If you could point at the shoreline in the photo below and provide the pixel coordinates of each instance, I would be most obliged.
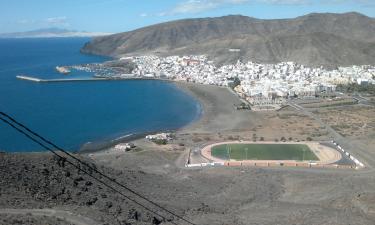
(106, 143)
(216, 114)
(98, 146)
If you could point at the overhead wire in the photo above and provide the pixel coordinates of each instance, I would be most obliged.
(88, 166)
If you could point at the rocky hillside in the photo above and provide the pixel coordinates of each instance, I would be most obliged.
(314, 39)
(41, 181)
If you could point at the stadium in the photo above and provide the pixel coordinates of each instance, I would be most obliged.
(246, 153)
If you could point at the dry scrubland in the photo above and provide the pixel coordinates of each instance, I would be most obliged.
(222, 122)
(286, 124)
(355, 121)
(322, 103)
(27, 219)
(292, 125)
(215, 196)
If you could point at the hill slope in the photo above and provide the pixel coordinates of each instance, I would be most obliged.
(314, 39)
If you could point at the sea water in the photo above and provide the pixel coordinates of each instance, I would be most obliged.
(74, 113)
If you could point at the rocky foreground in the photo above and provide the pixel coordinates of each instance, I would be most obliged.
(42, 181)
(212, 196)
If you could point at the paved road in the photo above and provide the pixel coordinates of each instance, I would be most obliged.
(61, 214)
(362, 100)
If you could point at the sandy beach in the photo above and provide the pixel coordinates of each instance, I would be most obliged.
(219, 114)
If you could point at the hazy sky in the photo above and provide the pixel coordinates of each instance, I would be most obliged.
(124, 15)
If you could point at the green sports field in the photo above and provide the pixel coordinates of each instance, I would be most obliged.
(298, 152)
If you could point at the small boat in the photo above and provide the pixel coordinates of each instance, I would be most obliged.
(62, 70)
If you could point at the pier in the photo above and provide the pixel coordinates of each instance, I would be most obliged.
(34, 79)
(39, 80)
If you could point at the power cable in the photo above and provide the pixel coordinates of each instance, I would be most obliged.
(84, 163)
(94, 169)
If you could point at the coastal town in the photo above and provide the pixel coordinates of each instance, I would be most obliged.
(260, 86)
(254, 82)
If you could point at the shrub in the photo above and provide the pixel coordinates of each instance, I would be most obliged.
(197, 139)
(160, 142)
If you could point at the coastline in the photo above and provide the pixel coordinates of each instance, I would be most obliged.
(93, 147)
(105, 143)
(98, 146)
(216, 114)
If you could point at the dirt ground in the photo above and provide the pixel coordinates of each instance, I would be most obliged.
(214, 196)
(351, 121)
(30, 219)
(221, 122)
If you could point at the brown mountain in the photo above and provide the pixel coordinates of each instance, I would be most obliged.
(315, 39)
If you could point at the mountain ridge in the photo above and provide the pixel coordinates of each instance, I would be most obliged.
(51, 32)
(326, 39)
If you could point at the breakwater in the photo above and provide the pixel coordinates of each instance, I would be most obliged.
(39, 80)
(34, 79)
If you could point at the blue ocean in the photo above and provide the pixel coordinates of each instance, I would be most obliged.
(72, 114)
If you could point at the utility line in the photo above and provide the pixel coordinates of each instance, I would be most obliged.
(84, 171)
(90, 167)
(94, 169)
